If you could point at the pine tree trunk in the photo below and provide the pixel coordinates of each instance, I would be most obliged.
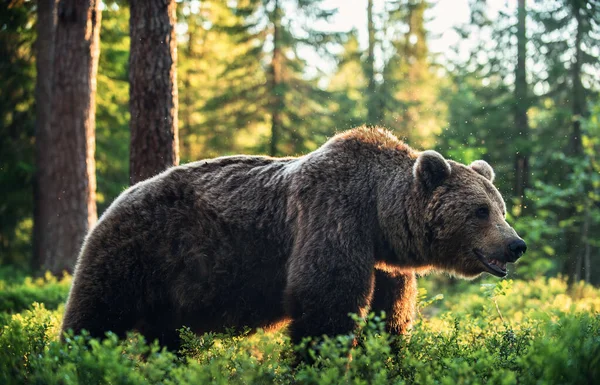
(574, 242)
(276, 82)
(372, 105)
(521, 107)
(585, 235)
(44, 48)
(188, 103)
(71, 169)
(153, 88)
(579, 103)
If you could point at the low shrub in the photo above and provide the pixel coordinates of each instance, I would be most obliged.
(509, 333)
(49, 290)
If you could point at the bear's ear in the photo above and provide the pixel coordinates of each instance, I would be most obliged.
(431, 169)
(482, 167)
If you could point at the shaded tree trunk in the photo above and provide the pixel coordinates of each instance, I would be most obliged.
(372, 103)
(521, 107)
(276, 75)
(579, 103)
(583, 261)
(576, 239)
(43, 205)
(153, 88)
(71, 168)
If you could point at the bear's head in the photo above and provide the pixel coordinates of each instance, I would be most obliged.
(464, 217)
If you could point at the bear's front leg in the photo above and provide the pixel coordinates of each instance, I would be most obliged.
(396, 294)
(322, 305)
(328, 279)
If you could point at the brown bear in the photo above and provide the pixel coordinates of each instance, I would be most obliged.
(251, 241)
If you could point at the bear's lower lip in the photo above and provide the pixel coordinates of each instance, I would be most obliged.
(493, 266)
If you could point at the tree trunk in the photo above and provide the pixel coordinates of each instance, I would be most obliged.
(585, 234)
(575, 149)
(277, 104)
(71, 169)
(579, 103)
(44, 48)
(153, 88)
(521, 107)
(372, 105)
(188, 102)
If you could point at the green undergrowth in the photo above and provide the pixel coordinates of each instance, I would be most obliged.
(20, 295)
(534, 332)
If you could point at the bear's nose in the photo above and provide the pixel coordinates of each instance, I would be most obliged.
(517, 248)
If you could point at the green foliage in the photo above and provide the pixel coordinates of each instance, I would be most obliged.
(228, 97)
(265, 101)
(559, 211)
(571, 349)
(17, 110)
(507, 333)
(112, 106)
(336, 360)
(17, 119)
(81, 360)
(566, 209)
(347, 86)
(24, 339)
(16, 297)
(410, 90)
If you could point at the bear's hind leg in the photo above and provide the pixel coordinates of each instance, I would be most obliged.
(87, 310)
(162, 325)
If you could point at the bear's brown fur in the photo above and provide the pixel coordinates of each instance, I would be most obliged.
(250, 241)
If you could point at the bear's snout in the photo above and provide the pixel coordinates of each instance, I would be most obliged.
(516, 249)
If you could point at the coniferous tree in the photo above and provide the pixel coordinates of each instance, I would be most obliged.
(44, 46)
(112, 107)
(205, 49)
(372, 101)
(521, 106)
(493, 114)
(411, 106)
(71, 166)
(17, 121)
(570, 31)
(265, 88)
(347, 86)
(152, 88)
(480, 97)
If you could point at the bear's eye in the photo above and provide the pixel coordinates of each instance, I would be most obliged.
(482, 213)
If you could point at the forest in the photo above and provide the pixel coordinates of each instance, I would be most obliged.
(98, 95)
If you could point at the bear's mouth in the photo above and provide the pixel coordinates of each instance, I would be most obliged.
(492, 265)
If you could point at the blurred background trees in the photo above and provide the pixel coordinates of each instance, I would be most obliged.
(518, 87)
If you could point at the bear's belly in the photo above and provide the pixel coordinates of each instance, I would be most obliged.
(237, 296)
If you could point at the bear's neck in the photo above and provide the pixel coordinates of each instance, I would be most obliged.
(402, 235)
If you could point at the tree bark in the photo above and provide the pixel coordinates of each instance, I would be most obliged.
(575, 149)
(44, 50)
(71, 140)
(277, 104)
(153, 99)
(372, 105)
(521, 107)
